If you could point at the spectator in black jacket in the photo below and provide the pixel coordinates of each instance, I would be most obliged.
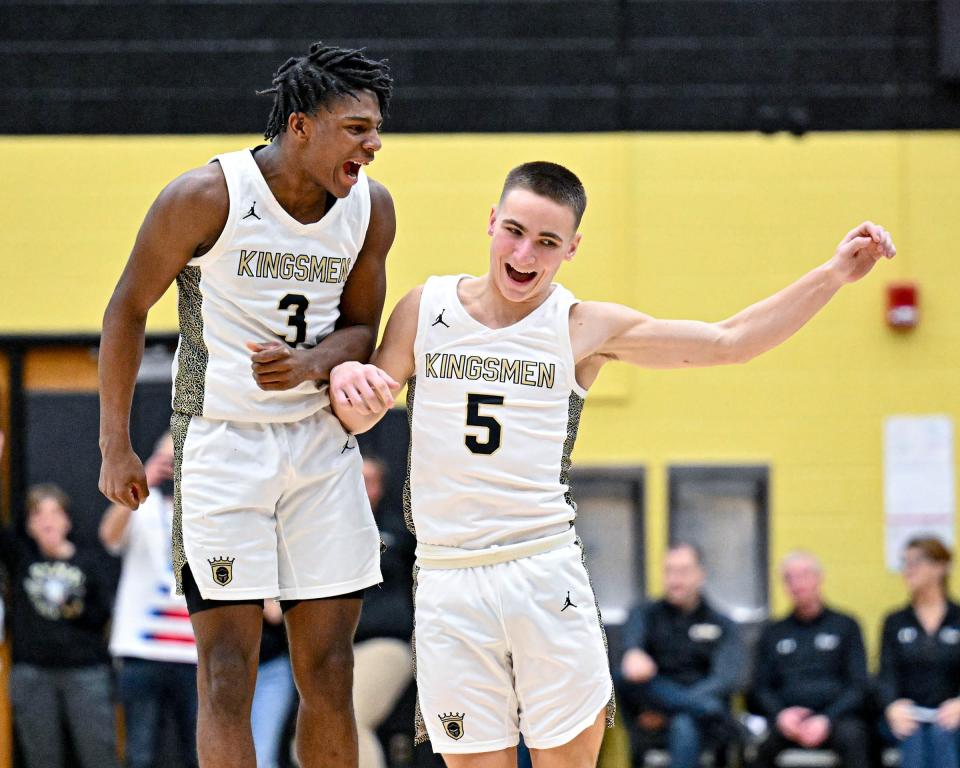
(919, 680)
(61, 605)
(683, 660)
(810, 674)
(383, 660)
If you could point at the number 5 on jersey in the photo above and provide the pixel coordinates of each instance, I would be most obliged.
(476, 419)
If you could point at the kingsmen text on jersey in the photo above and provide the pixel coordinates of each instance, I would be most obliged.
(267, 277)
(493, 418)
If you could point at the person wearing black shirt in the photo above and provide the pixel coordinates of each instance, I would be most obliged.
(383, 659)
(683, 660)
(61, 672)
(918, 684)
(810, 673)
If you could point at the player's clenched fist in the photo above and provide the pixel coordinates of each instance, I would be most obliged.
(122, 479)
(860, 249)
(364, 389)
(276, 366)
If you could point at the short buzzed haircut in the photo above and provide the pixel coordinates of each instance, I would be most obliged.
(552, 181)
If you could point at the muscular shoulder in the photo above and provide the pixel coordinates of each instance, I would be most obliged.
(408, 308)
(379, 195)
(382, 212)
(204, 188)
(199, 201)
(383, 221)
(593, 323)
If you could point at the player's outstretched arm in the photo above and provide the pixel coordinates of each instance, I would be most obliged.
(184, 221)
(362, 394)
(276, 366)
(603, 332)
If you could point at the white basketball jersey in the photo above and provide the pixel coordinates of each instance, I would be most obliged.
(493, 418)
(267, 277)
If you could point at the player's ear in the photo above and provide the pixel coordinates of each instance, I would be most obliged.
(297, 124)
(574, 244)
(492, 221)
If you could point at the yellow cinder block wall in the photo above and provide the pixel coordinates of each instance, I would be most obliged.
(691, 226)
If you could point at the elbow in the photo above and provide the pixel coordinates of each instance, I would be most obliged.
(121, 311)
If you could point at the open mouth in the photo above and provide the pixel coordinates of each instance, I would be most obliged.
(518, 276)
(352, 169)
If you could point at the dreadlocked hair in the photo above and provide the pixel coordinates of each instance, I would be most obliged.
(306, 83)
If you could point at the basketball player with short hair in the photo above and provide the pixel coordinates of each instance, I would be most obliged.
(279, 258)
(508, 636)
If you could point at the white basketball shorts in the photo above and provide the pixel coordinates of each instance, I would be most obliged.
(276, 510)
(511, 648)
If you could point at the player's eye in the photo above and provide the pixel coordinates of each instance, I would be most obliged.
(549, 243)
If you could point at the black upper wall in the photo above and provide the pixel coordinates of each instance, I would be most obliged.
(188, 66)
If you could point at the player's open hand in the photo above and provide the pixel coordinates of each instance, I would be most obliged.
(122, 479)
(365, 389)
(860, 249)
(276, 366)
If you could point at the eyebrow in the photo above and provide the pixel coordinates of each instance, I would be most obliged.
(520, 226)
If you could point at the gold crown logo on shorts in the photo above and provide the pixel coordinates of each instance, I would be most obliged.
(452, 724)
(222, 569)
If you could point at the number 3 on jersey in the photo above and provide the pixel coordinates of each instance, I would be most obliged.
(297, 318)
(475, 419)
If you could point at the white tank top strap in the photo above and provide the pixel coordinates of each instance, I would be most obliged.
(231, 165)
(565, 300)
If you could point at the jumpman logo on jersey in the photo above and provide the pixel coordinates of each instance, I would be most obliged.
(252, 211)
(440, 320)
(347, 446)
(567, 603)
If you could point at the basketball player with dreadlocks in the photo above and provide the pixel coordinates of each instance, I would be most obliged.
(279, 258)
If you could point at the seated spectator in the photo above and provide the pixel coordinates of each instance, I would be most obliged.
(810, 674)
(383, 660)
(151, 638)
(60, 680)
(683, 660)
(919, 679)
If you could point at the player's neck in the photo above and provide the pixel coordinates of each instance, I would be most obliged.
(297, 194)
(482, 299)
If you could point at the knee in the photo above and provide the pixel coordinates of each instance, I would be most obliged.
(226, 677)
(325, 674)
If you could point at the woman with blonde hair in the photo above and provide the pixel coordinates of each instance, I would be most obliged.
(919, 679)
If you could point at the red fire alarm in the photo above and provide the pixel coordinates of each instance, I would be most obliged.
(903, 305)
